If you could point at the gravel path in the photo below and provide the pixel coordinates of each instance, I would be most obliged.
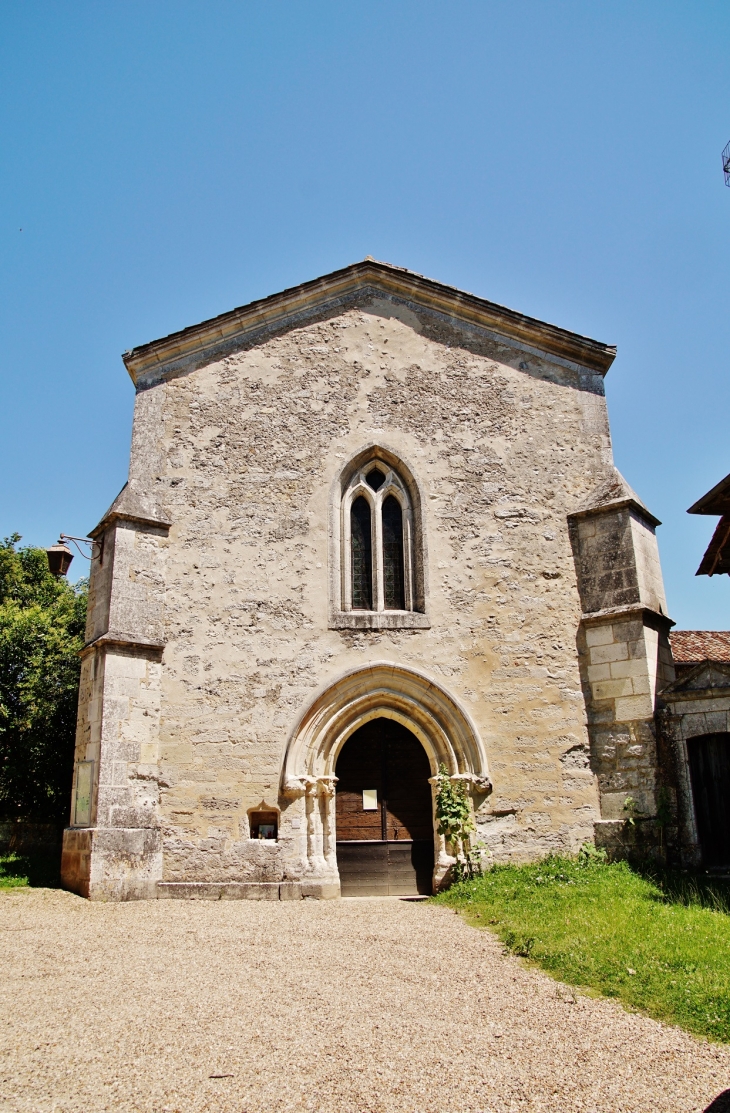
(357, 1005)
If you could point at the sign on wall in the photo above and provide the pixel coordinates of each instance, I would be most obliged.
(84, 787)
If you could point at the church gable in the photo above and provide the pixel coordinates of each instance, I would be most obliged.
(358, 286)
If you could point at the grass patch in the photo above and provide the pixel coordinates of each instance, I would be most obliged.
(34, 868)
(660, 943)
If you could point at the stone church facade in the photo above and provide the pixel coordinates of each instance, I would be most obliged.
(371, 511)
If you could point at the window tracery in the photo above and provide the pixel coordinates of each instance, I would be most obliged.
(377, 534)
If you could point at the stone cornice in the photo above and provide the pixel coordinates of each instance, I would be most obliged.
(133, 506)
(618, 504)
(135, 519)
(630, 610)
(395, 281)
(122, 640)
(672, 696)
(613, 493)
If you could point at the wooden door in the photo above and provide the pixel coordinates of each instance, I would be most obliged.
(709, 766)
(384, 813)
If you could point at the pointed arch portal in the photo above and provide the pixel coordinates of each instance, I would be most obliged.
(379, 690)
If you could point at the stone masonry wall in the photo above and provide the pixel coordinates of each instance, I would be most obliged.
(243, 455)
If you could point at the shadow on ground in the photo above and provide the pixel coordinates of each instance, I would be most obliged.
(685, 887)
(34, 868)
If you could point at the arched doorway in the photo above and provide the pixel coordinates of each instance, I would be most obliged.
(384, 812)
(379, 690)
(709, 767)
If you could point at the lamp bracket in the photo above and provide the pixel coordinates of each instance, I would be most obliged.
(79, 541)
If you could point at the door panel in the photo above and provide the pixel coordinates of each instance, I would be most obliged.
(397, 868)
(388, 851)
(709, 765)
(410, 806)
(359, 766)
(363, 869)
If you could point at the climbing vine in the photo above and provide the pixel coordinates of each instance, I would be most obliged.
(456, 824)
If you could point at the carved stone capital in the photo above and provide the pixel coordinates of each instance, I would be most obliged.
(308, 786)
(295, 787)
(475, 782)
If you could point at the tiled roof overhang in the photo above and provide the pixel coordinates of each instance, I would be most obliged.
(716, 560)
(716, 501)
(690, 647)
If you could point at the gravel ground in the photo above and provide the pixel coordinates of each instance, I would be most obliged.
(353, 1005)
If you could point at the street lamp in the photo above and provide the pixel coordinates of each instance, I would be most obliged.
(60, 556)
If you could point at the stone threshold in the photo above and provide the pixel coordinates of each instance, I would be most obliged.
(247, 890)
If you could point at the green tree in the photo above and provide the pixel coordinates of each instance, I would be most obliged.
(42, 620)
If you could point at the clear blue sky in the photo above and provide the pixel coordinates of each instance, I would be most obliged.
(168, 161)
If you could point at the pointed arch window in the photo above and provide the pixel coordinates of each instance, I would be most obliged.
(393, 565)
(362, 554)
(377, 530)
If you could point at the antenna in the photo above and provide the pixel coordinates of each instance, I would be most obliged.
(726, 164)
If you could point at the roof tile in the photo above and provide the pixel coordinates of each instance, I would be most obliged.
(692, 646)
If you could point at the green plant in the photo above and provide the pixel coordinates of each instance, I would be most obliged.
(630, 807)
(42, 619)
(589, 853)
(518, 944)
(456, 824)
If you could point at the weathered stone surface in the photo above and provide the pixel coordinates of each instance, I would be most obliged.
(241, 450)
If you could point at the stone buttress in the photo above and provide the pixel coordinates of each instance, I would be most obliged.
(624, 655)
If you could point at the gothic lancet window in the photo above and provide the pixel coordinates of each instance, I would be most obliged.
(362, 555)
(377, 535)
(393, 579)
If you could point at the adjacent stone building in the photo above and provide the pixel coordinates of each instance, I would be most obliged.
(694, 722)
(372, 527)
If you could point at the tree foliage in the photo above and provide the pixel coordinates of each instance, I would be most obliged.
(42, 620)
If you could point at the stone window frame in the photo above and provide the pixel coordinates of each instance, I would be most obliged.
(358, 487)
(400, 483)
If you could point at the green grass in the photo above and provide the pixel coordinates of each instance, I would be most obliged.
(659, 944)
(35, 868)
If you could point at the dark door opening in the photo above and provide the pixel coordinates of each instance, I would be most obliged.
(384, 813)
(709, 766)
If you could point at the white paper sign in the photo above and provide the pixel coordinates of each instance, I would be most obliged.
(370, 799)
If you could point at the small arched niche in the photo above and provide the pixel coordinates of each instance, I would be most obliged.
(377, 545)
(263, 822)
